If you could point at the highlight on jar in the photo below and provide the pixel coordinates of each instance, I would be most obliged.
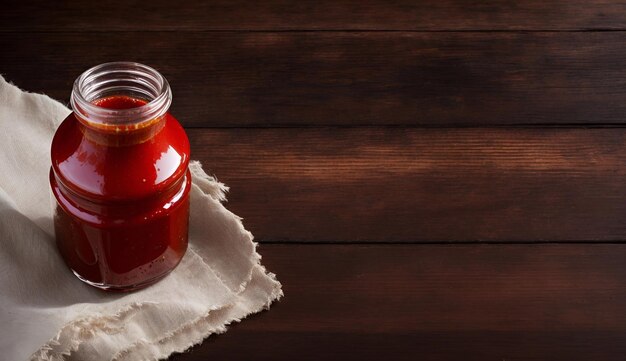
(120, 179)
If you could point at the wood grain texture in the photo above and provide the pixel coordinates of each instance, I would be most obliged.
(422, 185)
(407, 70)
(349, 78)
(436, 302)
(423, 15)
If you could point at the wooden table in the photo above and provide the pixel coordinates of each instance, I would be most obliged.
(430, 180)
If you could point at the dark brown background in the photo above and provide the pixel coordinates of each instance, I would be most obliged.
(432, 180)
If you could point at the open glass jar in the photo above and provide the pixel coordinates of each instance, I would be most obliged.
(120, 179)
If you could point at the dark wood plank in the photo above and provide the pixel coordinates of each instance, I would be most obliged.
(436, 302)
(426, 15)
(265, 79)
(421, 185)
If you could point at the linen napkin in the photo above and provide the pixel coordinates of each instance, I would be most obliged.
(46, 313)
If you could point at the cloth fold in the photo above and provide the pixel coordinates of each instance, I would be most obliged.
(46, 313)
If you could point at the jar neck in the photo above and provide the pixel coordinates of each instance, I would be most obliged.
(121, 103)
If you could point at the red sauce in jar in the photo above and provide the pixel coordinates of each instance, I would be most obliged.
(122, 196)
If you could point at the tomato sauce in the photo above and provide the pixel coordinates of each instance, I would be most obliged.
(122, 192)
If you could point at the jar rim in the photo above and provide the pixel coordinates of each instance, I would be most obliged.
(120, 78)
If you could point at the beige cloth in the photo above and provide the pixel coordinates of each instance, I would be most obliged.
(48, 314)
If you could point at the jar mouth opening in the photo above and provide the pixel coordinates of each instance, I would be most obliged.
(123, 78)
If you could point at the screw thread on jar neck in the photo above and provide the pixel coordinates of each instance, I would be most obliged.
(125, 126)
(128, 79)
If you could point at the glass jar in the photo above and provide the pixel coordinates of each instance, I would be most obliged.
(120, 179)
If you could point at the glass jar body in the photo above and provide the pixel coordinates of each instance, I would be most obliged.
(122, 212)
